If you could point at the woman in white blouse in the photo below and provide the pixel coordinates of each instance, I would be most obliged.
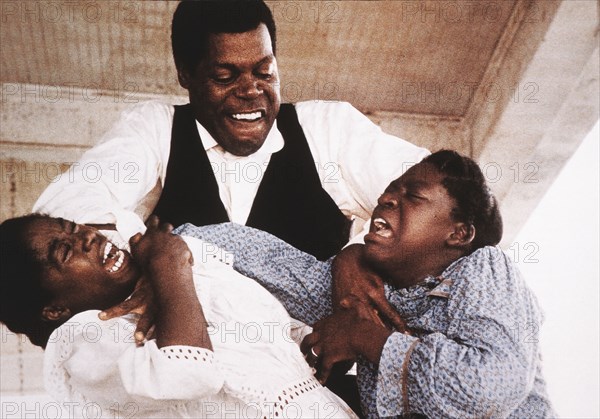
(222, 344)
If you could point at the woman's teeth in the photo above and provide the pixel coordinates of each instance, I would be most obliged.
(382, 228)
(111, 253)
(119, 262)
(107, 249)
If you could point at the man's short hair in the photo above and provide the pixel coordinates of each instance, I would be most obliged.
(194, 21)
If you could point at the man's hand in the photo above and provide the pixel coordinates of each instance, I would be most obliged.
(354, 282)
(343, 336)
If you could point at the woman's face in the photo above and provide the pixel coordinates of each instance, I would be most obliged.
(411, 223)
(81, 269)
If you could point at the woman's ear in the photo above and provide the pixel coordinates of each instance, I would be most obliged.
(56, 313)
(462, 236)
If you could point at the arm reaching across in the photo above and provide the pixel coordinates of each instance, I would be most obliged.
(167, 262)
(298, 280)
(118, 180)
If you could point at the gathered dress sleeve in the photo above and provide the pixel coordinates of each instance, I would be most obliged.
(92, 361)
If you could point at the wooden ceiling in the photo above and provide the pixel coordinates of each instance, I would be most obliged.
(418, 57)
(425, 70)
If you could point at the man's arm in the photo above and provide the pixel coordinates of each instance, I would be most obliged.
(110, 181)
(353, 282)
(355, 159)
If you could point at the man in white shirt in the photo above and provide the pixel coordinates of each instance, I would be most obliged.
(234, 153)
(309, 173)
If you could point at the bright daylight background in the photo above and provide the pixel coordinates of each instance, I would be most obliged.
(560, 241)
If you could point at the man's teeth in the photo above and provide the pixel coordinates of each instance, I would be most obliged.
(247, 116)
(382, 228)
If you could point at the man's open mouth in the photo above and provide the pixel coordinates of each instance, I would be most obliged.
(248, 116)
(381, 227)
(113, 258)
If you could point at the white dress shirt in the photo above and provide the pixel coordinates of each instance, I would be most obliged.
(239, 177)
(119, 180)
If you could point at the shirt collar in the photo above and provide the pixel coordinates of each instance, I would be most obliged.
(414, 301)
(442, 284)
(272, 144)
(430, 287)
(442, 289)
(445, 281)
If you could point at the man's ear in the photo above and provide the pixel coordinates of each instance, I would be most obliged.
(183, 76)
(56, 313)
(462, 236)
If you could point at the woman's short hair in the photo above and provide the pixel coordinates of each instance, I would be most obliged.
(21, 295)
(475, 203)
(194, 21)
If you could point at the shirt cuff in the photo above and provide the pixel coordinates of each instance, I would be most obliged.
(189, 353)
(128, 224)
(392, 377)
(175, 372)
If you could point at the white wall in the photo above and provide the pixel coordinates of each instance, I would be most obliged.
(560, 243)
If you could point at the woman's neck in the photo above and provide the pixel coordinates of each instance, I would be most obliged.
(413, 274)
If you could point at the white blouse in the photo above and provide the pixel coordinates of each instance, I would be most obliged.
(256, 369)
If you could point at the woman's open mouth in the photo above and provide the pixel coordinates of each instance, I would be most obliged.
(113, 257)
(381, 228)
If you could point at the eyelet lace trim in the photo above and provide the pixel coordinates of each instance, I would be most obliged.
(292, 392)
(188, 353)
(274, 403)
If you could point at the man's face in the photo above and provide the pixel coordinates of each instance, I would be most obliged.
(411, 222)
(81, 269)
(235, 90)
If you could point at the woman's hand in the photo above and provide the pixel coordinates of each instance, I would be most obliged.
(156, 252)
(343, 336)
(141, 302)
(159, 248)
(166, 260)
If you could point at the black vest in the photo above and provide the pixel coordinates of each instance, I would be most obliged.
(290, 202)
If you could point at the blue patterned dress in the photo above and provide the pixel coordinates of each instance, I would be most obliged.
(476, 350)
